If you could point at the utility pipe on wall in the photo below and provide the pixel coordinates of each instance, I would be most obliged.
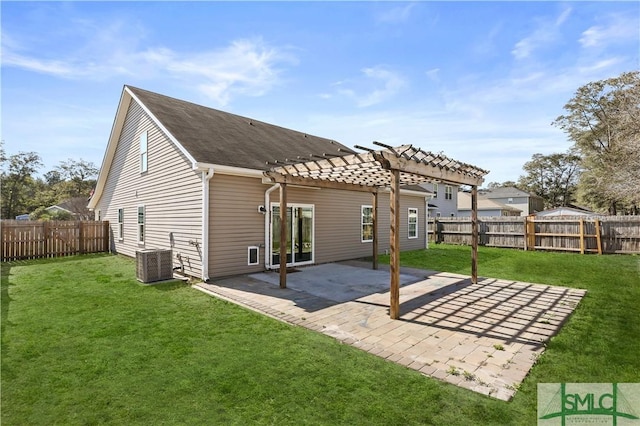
(207, 174)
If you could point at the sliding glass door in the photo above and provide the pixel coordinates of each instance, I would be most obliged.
(299, 230)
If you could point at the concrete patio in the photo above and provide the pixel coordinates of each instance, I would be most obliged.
(484, 337)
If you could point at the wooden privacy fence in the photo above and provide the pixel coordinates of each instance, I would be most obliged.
(22, 239)
(602, 234)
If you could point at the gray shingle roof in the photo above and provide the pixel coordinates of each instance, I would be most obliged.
(507, 191)
(218, 137)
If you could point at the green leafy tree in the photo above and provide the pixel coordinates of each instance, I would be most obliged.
(603, 121)
(77, 178)
(41, 213)
(554, 177)
(505, 184)
(18, 184)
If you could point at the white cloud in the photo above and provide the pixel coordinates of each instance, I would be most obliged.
(434, 74)
(618, 28)
(247, 67)
(379, 84)
(546, 33)
(396, 15)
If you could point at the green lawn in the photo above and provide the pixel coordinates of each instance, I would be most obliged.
(84, 343)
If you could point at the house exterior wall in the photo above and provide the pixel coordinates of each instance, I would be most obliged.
(521, 203)
(235, 222)
(444, 207)
(170, 191)
(528, 205)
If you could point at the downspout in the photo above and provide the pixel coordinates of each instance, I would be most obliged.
(207, 174)
(267, 231)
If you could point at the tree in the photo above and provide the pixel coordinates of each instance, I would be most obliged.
(18, 184)
(41, 213)
(505, 184)
(554, 177)
(603, 121)
(78, 175)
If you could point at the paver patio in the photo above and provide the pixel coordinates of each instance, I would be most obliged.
(484, 337)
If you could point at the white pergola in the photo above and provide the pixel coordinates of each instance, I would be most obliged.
(370, 171)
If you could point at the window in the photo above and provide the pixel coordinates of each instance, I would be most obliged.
(510, 200)
(120, 224)
(435, 190)
(413, 223)
(144, 161)
(448, 193)
(141, 224)
(367, 223)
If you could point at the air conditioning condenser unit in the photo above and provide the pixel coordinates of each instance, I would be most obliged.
(154, 265)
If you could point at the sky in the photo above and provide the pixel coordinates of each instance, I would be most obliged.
(480, 82)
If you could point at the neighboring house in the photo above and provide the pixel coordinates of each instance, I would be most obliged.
(445, 199)
(526, 202)
(76, 207)
(183, 176)
(565, 211)
(486, 207)
(22, 217)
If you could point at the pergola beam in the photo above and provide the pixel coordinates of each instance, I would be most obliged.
(394, 243)
(275, 177)
(375, 230)
(437, 172)
(474, 235)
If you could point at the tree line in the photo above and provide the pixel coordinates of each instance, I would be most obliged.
(601, 170)
(71, 182)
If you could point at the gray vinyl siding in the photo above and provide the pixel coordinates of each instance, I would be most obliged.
(235, 223)
(170, 191)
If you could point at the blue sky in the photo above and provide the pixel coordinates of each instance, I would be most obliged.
(479, 81)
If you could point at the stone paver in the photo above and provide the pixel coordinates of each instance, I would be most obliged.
(484, 337)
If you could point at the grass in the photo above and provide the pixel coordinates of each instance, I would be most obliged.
(84, 343)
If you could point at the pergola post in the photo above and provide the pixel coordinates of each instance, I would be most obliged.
(394, 231)
(375, 230)
(283, 235)
(474, 234)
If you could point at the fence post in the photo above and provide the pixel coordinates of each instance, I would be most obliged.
(45, 233)
(530, 233)
(81, 245)
(581, 236)
(105, 236)
(598, 238)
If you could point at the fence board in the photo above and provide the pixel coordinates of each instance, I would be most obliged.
(601, 234)
(23, 239)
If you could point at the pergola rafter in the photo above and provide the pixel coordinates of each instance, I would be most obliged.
(389, 167)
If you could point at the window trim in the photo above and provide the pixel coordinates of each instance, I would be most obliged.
(363, 223)
(412, 212)
(121, 224)
(141, 225)
(435, 190)
(448, 192)
(144, 152)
